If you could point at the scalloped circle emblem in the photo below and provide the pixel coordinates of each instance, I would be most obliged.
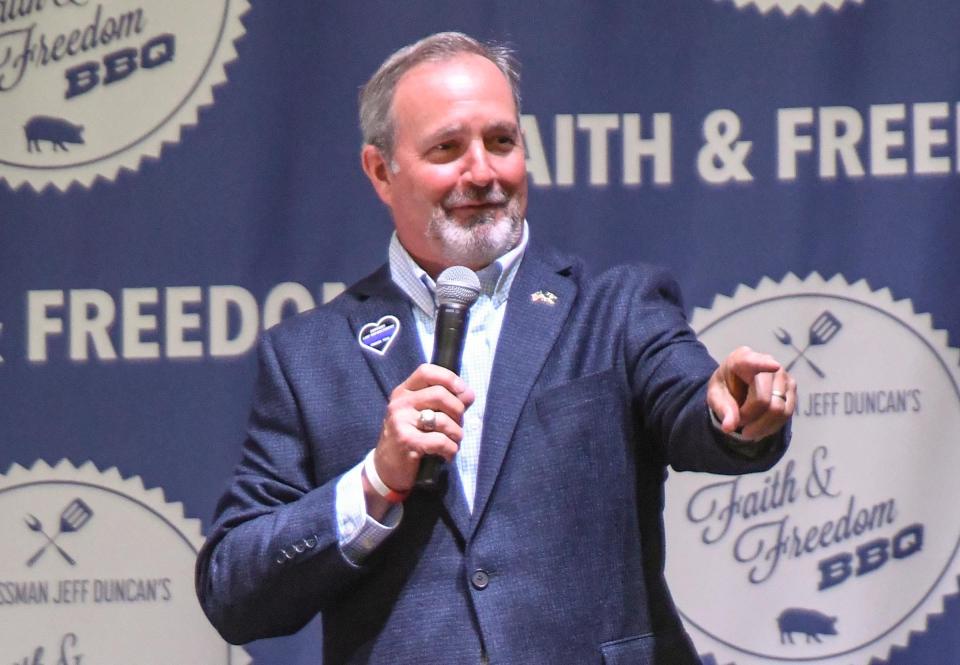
(788, 7)
(88, 88)
(96, 568)
(851, 541)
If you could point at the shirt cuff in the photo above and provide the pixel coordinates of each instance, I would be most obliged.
(718, 425)
(359, 534)
(736, 441)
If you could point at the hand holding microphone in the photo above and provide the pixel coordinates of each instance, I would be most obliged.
(457, 289)
(422, 424)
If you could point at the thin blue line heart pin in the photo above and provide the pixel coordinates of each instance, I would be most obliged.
(379, 335)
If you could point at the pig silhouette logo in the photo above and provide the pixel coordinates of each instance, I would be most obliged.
(57, 131)
(808, 622)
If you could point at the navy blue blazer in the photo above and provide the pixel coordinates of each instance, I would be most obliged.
(561, 561)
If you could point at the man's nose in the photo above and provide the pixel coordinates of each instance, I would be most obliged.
(478, 170)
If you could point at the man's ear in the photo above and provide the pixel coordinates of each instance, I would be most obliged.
(378, 171)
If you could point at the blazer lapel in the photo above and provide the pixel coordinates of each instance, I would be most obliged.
(378, 298)
(395, 355)
(540, 300)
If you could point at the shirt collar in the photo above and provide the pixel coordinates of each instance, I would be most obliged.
(495, 279)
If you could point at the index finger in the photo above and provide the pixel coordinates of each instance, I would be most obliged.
(746, 363)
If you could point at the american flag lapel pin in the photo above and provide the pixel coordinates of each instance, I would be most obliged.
(545, 297)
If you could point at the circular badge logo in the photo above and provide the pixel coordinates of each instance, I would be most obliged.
(788, 7)
(851, 542)
(96, 569)
(90, 87)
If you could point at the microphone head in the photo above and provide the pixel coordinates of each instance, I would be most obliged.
(458, 286)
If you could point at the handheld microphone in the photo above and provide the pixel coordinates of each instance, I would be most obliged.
(457, 289)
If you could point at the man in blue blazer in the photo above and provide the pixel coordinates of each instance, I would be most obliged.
(544, 541)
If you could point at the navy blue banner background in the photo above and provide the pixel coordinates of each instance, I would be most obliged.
(266, 189)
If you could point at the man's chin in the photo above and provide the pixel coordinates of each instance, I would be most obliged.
(478, 242)
(476, 236)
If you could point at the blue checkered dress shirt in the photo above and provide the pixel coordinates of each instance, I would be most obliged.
(359, 533)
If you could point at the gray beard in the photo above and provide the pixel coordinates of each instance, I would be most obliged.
(483, 238)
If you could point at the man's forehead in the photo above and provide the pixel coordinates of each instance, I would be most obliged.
(457, 73)
(436, 100)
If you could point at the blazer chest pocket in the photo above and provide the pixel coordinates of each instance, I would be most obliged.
(588, 409)
(637, 650)
(662, 648)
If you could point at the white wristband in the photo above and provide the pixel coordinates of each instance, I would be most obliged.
(370, 471)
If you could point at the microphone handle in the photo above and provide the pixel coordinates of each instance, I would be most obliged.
(448, 339)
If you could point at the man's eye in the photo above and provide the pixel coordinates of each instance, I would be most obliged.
(443, 152)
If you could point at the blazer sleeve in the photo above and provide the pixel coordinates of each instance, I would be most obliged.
(272, 559)
(669, 370)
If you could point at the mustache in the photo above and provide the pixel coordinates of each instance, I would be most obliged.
(492, 194)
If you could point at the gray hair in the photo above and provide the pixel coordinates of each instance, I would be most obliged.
(376, 96)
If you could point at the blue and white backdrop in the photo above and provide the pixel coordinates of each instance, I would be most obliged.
(176, 176)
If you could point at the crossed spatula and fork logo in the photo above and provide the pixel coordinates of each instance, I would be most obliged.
(72, 519)
(822, 330)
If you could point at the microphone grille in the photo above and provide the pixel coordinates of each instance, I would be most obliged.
(458, 285)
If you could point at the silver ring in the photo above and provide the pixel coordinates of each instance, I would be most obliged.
(427, 421)
(777, 393)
